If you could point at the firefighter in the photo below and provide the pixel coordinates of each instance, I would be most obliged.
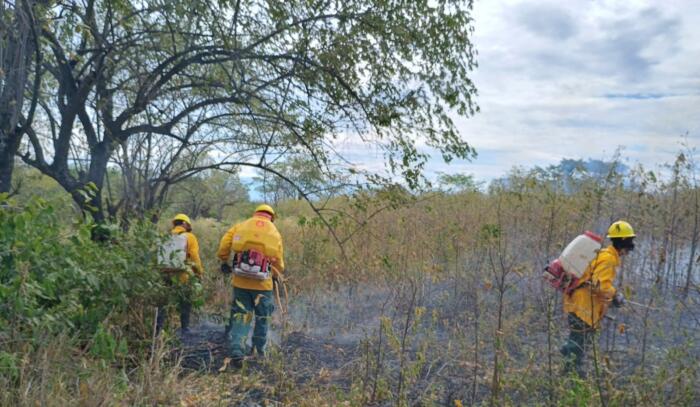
(183, 226)
(252, 251)
(587, 304)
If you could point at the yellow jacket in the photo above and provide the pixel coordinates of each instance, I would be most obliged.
(192, 253)
(257, 233)
(590, 301)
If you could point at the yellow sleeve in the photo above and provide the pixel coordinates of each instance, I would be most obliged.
(225, 245)
(602, 279)
(193, 253)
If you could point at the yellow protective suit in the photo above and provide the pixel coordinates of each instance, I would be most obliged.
(590, 301)
(192, 254)
(258, 233)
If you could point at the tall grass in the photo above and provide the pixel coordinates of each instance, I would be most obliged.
(434, 300)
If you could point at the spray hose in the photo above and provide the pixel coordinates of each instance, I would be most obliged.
(284, 308)
(643, 305)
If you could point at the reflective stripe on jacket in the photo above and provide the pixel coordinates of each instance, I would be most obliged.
(590, 301)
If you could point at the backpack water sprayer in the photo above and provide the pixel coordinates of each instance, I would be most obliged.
(252, 264)
(172, 254)
(565, 272)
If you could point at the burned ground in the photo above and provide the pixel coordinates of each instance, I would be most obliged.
(437, 341)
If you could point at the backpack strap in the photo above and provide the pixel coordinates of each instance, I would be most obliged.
(580, 284)
(586, 278)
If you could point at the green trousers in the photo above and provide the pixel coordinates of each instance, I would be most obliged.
(574, 350)
(247, 308)
(182, 294)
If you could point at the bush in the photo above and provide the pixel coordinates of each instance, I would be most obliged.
(55, 278)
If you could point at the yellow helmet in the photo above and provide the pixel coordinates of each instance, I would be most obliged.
(182, 217)
(265, 208)
(620, 229)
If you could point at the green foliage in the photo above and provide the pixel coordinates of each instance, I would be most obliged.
(303, 174)
(459, 182)
(192, 290)
(490, 232)
(467, 252)
(9, 366)
(55, 278)
(208, 194)
(278, 82)
(106, 346)
(31, 184)
(577, 392)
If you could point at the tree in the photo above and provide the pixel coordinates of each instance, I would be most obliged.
(149, 166)
(19, 55)
(302, 177)
(208, 194)
(253, 80)
(459, 182)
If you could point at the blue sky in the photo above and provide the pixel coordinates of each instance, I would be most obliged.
(577, 79)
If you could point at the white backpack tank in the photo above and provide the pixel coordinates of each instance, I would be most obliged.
(579, 254)
(173, 253)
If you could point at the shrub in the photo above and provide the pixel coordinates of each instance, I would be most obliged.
(55, 278)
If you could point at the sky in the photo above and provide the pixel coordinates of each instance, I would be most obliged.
(578, 79)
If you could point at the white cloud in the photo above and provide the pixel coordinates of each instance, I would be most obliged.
(574, 79)
(578, 78)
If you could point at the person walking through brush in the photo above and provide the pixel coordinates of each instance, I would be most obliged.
(587, 304)
(253, 252)
(178, 271)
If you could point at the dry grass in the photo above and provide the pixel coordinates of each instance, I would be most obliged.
(412, 311)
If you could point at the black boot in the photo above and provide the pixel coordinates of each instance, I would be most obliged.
(185, 309)
(160, 320)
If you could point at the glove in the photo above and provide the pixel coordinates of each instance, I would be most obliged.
(618, 300)
(226, 268)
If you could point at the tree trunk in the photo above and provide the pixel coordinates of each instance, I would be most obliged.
(15, 61)
(8, 148)
(86, 190)
(96, 175)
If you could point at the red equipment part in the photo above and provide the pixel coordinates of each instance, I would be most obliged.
(593, 236)
(252, 264)
(559, 279)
